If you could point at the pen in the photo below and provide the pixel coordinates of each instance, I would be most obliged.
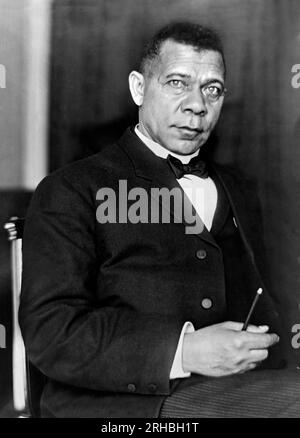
(258, 293)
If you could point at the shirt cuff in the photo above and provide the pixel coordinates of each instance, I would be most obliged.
(177, 371)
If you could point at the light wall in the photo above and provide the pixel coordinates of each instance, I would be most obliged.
(24, 54)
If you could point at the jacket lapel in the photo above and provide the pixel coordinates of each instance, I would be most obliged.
(236, 197)
(223, 206)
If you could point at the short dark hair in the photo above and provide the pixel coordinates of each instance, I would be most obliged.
(192, 34)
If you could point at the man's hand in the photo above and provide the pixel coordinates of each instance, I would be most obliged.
(223, 349)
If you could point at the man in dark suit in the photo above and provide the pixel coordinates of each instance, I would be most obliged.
(123, 313)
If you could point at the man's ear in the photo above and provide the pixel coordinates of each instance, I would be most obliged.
(137, 86)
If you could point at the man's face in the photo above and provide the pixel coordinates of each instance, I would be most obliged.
(182, 97)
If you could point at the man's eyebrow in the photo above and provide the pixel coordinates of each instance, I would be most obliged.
(187, 76)
(181, 75)
(213, 81)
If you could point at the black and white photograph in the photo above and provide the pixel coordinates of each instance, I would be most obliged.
(150, 211)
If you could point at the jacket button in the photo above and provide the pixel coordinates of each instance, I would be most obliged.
(131, 387)
(201, 254)
(152, 387)
(206, 303)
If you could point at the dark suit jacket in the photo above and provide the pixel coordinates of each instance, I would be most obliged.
(103, 305)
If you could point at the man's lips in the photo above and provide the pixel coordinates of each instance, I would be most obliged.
(189, 131)
(189, 128)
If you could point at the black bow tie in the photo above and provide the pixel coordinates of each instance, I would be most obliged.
(196, 167)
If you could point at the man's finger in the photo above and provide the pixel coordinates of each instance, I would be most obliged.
(260, 340)
(233, 325)
(258, 355)
(249, 367)
(237, 326)
(257, 329)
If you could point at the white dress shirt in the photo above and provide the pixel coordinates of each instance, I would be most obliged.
(205, 206)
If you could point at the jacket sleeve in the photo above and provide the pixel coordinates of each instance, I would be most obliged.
(67, 334)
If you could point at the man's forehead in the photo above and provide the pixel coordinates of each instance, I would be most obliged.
(175, 55)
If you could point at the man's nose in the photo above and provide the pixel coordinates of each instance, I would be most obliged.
(195, 102)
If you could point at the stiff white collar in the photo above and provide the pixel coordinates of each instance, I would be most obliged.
(160, 151)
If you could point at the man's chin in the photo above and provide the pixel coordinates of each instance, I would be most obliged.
(188, 147)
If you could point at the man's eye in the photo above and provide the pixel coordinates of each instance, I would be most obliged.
(176, 83)
(213, 91)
